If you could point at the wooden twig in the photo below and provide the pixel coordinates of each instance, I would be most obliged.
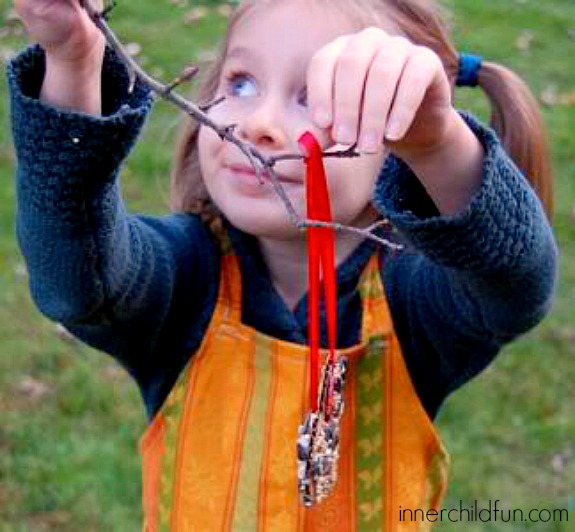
(210, 105)
(262, 164)
(186, 75)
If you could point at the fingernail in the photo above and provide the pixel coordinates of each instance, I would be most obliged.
(394, 130)
(344, 134)
(322, 118)
(368, 143)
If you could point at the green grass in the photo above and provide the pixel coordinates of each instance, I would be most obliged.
(70, 419)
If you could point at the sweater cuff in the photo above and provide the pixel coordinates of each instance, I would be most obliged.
(499, 227)
(72, 145)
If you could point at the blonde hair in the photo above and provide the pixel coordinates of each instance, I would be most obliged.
(515, 113)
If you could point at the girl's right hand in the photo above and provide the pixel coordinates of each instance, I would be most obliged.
(63, 30)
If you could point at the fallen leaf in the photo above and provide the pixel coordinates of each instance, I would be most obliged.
(525, 40)
(114, 372)
(225, 10)
(548, 96)
(33, 388)
(206, 55)
(551, 97)
(11, 18)
(560, 461)
(566, 98)
(54, 520)
(192, 16)
(133, 48)
(20, 270)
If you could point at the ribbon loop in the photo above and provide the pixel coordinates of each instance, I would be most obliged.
(321, 258)
(318, 440)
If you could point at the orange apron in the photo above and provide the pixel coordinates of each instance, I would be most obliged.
(221, 453)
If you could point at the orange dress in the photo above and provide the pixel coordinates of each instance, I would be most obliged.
(221, 453)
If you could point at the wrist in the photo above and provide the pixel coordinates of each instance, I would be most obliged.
(446, 135)
(81, 51)
(74, 84)
(451, 170)
(79, 62)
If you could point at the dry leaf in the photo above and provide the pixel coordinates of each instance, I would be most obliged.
(560, 461)
(11, 18)
(33, 388)
(192, 16)
(551, 97)
(567, 98)
(20, 269)
(114, 372)
(52, 520)
(525, 40)
(206, 55)
(225, 10)
(12, 25)
(133, 48)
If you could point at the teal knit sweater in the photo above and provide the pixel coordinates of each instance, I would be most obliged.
(143, 288)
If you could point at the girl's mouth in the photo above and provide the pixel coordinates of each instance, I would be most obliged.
(247, 173)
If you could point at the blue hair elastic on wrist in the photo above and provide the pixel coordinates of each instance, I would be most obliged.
(469, 67)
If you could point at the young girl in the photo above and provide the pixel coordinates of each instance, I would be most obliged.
(207, 307)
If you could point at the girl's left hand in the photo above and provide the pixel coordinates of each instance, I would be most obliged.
(371, 87)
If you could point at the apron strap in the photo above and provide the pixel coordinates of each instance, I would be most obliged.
(229, 302)
(376, 318)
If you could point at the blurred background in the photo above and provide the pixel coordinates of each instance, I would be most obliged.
(70, 418)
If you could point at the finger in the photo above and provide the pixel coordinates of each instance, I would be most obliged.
(416, 78)
(320, 82)
(380, 88)
(350, 77)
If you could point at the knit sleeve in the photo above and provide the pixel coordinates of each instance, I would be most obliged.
(470, 282)
(107, 275)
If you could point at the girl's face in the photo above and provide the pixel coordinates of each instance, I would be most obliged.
(263, 80)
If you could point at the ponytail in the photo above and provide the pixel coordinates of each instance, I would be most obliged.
(515, 112)
(516, 118)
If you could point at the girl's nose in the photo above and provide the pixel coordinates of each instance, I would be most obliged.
(264, 126)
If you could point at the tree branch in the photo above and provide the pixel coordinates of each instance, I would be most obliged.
(261, 163)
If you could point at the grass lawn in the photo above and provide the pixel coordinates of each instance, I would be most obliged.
(70, 419)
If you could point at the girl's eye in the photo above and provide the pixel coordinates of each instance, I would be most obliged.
(241, 85)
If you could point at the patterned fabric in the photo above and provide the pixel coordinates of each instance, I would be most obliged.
(221, 453)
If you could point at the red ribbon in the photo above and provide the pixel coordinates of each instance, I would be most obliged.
(321, 255)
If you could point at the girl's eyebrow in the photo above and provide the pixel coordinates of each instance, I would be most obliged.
(239, 52)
